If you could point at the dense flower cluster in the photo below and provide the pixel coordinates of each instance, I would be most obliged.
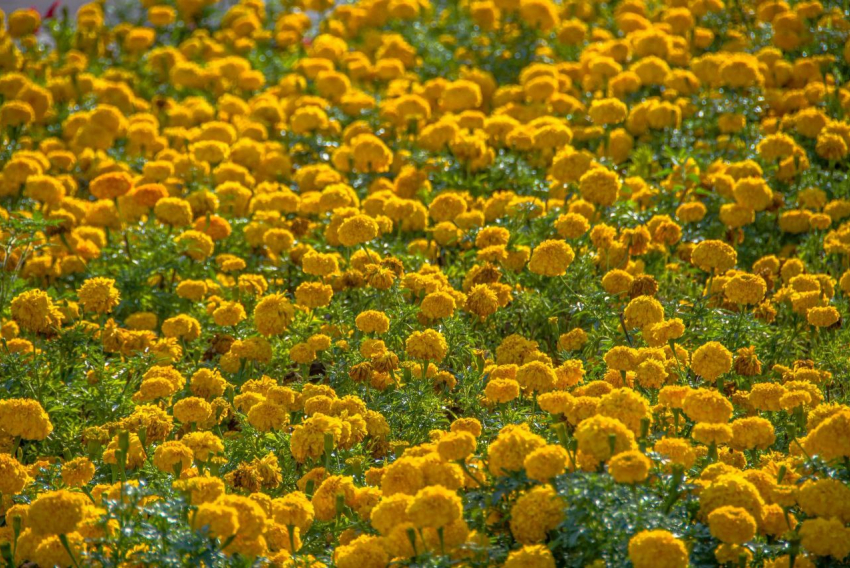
(522, 283)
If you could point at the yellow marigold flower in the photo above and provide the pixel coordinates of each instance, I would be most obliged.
(313, 294)
(273, 314)
(510, 448)
(752, 432)
(766, 396)
(704, 405)
(135, 456)
(617, 282)
(546, 462)
(138, 40)
(390, 512)
(732, 525)
(229, 314)
(51, 552)
(627, 406)
(195, 244)
(99, 295)
(429, 345)
(357, 230)
(370, 153)
(551, 258)
(266, 416)
(252, 517)
(607, 111)
(572, 225)
(651, 374)
(822, 316)
(657, 549)
(482, 300)
(600, 186)
(461, 95)
(677, 450)
(573, 340)
(539, 14)
(774, 521)
(24, 417)
(674, 396)
(691, 212)
(302, 354)
(556, 402)
(629, 467)
(745, 289)
(111, 185)
(318, 264)
(643, 311)
(142, 321)
(182, 327)
(714, 256)
(831, 146)
(293, 510)
(34, 311)
(77, 472)
(173, 211)
(535, 513)
(172, 454)
(202, 489)
(536, 556)
(536, 376)
(278, 240)
(753, 193)
(203, 445)
(13, 475)
(308, 438)
(594, 437)
(709, 433)
(308, 119)
(711, 360)
(829, 439)
(825, 537)
(456, 446)
(46, 189)
(325, 498)
(57, 512)
(372, 321)
(501, 390)
(365, 550)
(210, 151)
(434, 507)
(161, 16)
(438, 305)
(16, 113)
(192, 410)
(731, 490)
(621, 358)
(825, 498)
(220, 521)
(776, 146)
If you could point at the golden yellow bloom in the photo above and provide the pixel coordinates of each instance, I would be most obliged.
(711, 360)
(429, 345)
(434, 507)
(57, 512)
(657, 548)
(551, 258)
(24, 417)
(273, 314)
(13, 475)
(111, 185)
(34, 311)
(99, 295)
